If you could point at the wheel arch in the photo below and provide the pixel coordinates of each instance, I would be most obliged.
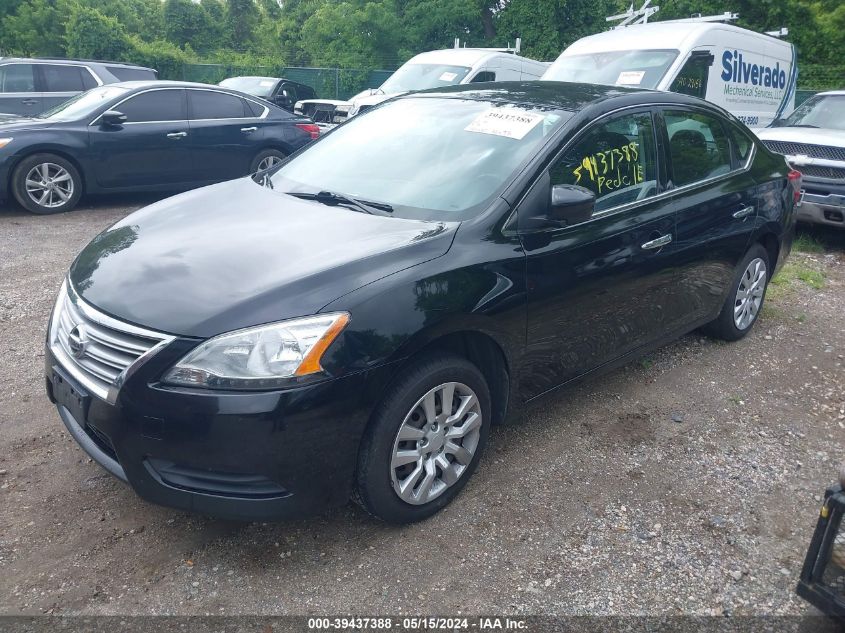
(61, 152)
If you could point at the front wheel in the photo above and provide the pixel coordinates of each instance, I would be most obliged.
(46, 183)
(425, 440)
(745, 299)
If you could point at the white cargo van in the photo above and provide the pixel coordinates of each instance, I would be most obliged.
(751, 75)
(436, 69)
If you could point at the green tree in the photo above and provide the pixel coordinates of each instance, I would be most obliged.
(37, 27)
(242, 18)
(92, 35)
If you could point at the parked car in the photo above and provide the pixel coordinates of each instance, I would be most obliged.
(30, 86)
(356, 326)
(813, 140)
(435, 69)
(283, 92)
(142, 136)
(752, 75)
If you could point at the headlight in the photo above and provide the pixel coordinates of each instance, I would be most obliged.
(263, 357)
(5, 141)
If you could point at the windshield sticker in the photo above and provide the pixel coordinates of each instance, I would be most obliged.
(448, 76)
(630, 78)
(507, 122)
(611, 169)
(266, 84)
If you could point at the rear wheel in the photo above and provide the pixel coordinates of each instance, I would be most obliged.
(745, 299)
(265, 160)
(46, 183)
(425, 440)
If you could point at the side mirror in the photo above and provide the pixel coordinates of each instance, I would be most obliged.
(571, 204)
(113, 117)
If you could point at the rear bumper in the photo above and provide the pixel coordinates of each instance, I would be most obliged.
(823, 202)
(243, 456)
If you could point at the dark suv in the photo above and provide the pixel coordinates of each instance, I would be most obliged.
(279, 91)
(31, 86)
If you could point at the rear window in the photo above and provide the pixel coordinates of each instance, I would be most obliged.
(131, 74)
(208, 104)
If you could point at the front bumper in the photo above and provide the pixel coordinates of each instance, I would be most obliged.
(246, 456)
(822, 202)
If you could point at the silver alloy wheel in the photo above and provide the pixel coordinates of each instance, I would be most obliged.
(436, 443)
(268, 161)
(749, 294)
(49, 185)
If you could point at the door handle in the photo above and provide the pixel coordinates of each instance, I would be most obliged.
(660, 242)
(744, 213)
(30, 102)
(177, 135)
(247, 130)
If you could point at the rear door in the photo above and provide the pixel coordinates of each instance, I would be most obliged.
(60, 82)
(151, 149)
(18, 93)
(225, 134)
(602, 288)
(715, 197)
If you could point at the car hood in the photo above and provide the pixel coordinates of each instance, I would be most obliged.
(811, 135)
(237, 254)
(371, 100)
(12, 123)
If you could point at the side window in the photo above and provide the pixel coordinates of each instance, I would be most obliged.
(692, 78)
(156, 105)
(208, 104)
(484, 75)
(88, 80)
(741, 144)
(254, 109)
(62, 78)
(17, 78)
(614, 159)
(698, 147)
(305, 92)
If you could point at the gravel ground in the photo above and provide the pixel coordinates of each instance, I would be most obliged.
(686, 483)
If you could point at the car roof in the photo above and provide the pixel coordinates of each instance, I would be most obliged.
(660, 36)
(572, 97)
(253, 77)
(165, 83)
(458, 56)
(835, 93)
(71, 61)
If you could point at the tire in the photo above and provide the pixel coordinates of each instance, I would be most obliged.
(728, 326)
(55, 184)
(379, 484)
(265, 159)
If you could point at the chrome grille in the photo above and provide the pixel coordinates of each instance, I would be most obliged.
(94, 347)
(806, 149)
(822, 171)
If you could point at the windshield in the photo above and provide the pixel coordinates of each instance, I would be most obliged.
(258, 86)
(423, 76)
(636, 69)
(83, 105)
(825, 111)
(429, 158)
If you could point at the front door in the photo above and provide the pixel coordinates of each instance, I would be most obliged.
(151, 149)
(600, 289)
(716, 204)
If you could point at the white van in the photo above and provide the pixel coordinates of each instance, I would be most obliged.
(436, 69)
(751, 75)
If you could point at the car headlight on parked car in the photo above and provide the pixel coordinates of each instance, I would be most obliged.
(263, 357)
(5, 141)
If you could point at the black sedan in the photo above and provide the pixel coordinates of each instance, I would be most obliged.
(401, 285)
(142, 136)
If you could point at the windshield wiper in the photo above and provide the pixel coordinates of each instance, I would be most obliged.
(331, 198)
(803, 125)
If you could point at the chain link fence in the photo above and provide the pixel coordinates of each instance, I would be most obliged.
(329, 83)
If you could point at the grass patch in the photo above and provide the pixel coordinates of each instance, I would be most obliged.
(805, 243)
(794, 271)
